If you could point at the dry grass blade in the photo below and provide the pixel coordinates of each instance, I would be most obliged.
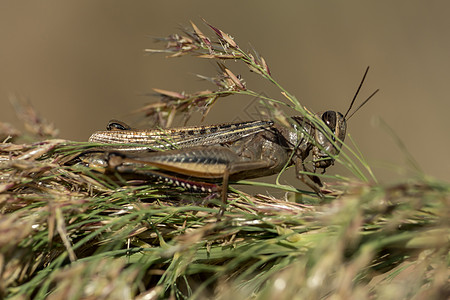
(65, 228)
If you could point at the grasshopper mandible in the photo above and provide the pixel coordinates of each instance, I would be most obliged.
(232, 151)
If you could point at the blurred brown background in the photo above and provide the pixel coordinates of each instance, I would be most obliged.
(82, 63)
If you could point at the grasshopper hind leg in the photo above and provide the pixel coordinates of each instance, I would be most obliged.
(224, 195)
(131, 167)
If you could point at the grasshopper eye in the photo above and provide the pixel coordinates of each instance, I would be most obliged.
(329, 117)
(117, 125)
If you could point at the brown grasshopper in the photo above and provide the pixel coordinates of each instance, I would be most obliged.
(197, 158)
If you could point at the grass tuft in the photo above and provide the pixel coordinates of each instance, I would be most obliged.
(71, 232)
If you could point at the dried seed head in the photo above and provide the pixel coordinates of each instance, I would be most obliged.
(259, 61)
(33, 121)
(170, 94)
(235, 80)
(229, 81)
(177, 45)
(223, 36)
(204, 39)
(264, 65)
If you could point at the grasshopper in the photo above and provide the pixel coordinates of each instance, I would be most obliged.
(197, 158)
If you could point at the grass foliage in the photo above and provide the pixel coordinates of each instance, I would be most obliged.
(70, 232)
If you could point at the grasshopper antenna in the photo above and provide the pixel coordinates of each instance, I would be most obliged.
(362, 104)
(356, 95)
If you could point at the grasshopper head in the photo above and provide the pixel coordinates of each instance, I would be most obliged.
(328, 146)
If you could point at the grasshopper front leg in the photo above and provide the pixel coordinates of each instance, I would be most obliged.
(299, 168)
